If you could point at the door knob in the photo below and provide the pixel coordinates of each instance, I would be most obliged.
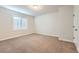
(76, 29)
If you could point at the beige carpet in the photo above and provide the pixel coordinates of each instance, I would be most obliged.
(36, 43)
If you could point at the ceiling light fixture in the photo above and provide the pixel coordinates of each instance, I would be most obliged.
(35, 6)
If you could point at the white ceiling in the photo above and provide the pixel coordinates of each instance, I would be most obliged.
(29, 10)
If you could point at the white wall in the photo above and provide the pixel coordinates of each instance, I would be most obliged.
(66, 23)
(47, 24)
(6, 24)
(56, 24)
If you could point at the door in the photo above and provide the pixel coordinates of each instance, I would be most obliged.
(76, 23)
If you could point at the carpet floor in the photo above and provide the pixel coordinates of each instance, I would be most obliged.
(36, 43)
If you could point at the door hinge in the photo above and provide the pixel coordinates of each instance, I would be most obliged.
(73, 26)
(73, 14)
(73, 37)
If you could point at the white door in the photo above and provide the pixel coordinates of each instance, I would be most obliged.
(76, 23)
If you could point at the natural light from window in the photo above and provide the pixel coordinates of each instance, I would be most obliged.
(19, 23)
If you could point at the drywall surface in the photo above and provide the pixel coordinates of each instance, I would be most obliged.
(66, 22)
(6, 24)
(56, 24)
(47, 24)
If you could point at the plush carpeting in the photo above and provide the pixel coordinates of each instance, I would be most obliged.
(36, 43)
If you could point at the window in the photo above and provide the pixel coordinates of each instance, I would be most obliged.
(19, 23)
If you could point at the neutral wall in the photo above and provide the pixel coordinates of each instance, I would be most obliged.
(47, 24)
(56, 24)
(6, 24)
(66, 23)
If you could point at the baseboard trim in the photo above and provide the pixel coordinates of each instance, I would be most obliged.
(62, 39)
(77, 48)
(76, 44)
(10, 37)
(47, 34)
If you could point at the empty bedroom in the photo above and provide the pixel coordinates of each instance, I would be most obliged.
(39, 29)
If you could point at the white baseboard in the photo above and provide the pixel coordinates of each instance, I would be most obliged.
(63, 39)
(48, 34)
(14, 36)
(77, 47)
(76, 42)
